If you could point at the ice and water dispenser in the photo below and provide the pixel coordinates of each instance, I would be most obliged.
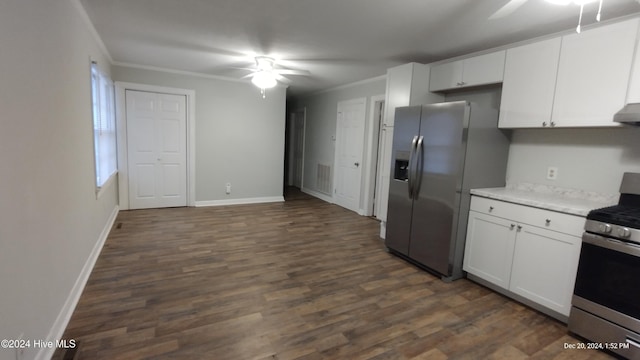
(401, 169)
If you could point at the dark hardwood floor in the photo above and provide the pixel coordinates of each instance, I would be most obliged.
(296, 280)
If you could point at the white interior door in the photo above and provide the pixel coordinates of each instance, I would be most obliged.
(157, 149)
(349, 149)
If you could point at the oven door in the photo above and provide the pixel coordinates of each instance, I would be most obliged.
(608, 280)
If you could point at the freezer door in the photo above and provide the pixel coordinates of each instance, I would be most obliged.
(441, 159)
(400, 206)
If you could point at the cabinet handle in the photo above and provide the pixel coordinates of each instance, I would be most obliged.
(512, 226)
(519, 227)
(548, 221)
(553, 124)
(544, 123)
(490, 208)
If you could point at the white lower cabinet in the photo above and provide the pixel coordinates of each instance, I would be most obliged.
(529, 252)
(489, 248)
(544, 267)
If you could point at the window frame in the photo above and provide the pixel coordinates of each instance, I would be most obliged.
(104, 129)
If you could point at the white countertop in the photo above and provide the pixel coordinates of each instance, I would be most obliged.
(568, 201)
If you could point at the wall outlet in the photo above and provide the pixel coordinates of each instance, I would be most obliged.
(228, 188)
(552, 173)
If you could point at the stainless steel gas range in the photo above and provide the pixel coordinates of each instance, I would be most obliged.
(606, 301)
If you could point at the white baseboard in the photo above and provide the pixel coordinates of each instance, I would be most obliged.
(317, 194)
(240, 201)
(59, 326)
(383, 229)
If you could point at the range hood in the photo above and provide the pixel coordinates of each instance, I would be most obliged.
(630, 114)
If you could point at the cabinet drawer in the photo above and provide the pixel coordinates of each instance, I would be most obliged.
(547, 219)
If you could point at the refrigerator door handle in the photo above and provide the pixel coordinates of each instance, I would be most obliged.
(419, 168)
(414, 143)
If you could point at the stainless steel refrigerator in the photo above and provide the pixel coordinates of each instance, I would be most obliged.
(440, 152)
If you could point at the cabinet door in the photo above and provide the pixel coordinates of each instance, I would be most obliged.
(544, 267)
(593, 75)
(446, 76)
(399, 80)
(407, 85)
(483, 69)
(489, 248)
(529, 84)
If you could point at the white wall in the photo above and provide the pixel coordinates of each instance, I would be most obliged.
(239, 135)
(587, 159)
(50, 219)
(322, 109)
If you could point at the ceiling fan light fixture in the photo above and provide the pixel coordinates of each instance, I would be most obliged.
(264, 63)
(264, 79)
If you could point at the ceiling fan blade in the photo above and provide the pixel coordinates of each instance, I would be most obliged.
(507, 9)
(283, 79)
(291, 72)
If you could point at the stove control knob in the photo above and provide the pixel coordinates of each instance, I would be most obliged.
(624, 232)
(605, 228)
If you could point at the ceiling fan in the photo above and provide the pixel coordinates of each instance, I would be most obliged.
(265, 75)
(513, 5)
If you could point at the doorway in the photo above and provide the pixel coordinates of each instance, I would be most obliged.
(375, 136)
(350, 131)
(155, 146)
(297, 121)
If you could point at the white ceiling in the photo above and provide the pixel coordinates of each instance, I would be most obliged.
(338, 41)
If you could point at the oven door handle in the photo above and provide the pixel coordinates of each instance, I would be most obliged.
(633, 342)
(613, 244)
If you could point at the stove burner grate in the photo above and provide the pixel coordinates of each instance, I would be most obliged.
(628, 216)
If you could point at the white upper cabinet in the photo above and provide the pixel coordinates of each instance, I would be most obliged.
(529, 84)
(446, 76)
(593, 75)
(483, 69)
(407, 85)
(478, 70)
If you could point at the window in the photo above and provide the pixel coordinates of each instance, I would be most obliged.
(104, 126)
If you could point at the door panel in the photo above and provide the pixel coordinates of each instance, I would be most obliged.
(349, 150)
(440, 158)
(146, 184)
(552, 284)
(489, 248)
(156, 137)
(400, 205)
